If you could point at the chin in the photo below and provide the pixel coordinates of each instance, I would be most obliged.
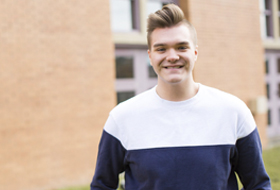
(174, 81)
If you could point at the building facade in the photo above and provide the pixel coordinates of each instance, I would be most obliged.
(270, 31)
(66, 64)
(57, 87)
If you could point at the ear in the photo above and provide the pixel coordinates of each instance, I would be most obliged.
(196, 52)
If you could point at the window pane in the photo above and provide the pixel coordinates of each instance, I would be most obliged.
(122, 96)
(153, 6)
(267, 4)
(278, 90)
(278, 65)
(133, 14)
(124, 67)
(121, 15)
(266, 67)
(152, 73)
(268, 25)
(269, 117)
(267, 91)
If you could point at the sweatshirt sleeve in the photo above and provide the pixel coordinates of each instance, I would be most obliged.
(110, 162)
(250, 167)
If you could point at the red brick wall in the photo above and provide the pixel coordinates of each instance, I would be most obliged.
(56, 89)
(230, 53)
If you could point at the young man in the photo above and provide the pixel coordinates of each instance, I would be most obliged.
(179, 135)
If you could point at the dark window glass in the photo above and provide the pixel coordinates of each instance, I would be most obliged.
(278, 90)
(122, 96)
(278, 65)
(278, 5)
(152, 73)
(266, 67)
(124, 67)
(267, 91)
(267, 4)
(268, 25)
(269, 117)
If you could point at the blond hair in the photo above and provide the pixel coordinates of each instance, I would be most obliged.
(169, 16)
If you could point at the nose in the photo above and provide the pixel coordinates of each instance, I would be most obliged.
(172, 56)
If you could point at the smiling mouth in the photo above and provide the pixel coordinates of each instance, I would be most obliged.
(173, 67)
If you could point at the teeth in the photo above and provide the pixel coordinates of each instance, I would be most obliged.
(177, 67)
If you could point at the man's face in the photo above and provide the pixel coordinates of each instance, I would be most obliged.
(172, 54)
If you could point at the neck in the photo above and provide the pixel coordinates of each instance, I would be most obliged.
(177, 92)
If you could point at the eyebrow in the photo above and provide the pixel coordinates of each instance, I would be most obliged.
(158, 45)
(183, 43)
(180, 43)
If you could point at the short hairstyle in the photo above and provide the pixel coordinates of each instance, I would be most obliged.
(169, 16)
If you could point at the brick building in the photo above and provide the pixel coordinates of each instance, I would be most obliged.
(57, 87)
(270, 31)
(62, 71)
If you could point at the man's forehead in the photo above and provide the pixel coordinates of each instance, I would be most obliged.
(175, 35)
(171, 35)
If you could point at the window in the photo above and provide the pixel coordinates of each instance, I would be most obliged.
(278, 65)
(133, 73)
(124, 67)
(154, 5)
(266, 18)
(122, 96)
(124, 15)
(272, 80)
(151, 71)
(267, 91)
(278, 90)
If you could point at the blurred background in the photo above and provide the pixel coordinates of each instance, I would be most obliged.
(65, 64)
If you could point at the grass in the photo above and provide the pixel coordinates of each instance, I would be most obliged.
(272, 164)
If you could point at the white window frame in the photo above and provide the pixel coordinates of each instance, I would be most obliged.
(141, 80)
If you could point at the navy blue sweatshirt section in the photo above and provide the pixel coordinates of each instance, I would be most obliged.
(253, 176)
(110, 163)
(180, 168)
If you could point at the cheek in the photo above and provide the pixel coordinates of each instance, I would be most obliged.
(154, 61)
(158, 60)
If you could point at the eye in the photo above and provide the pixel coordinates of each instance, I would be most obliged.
(160, 49)
(182, 47)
